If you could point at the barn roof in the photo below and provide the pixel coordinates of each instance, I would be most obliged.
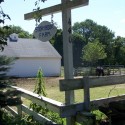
(29, 48)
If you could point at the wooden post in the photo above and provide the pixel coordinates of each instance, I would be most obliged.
(67, 49)
(68, 56)
(65, 7)
(19, 107)
(86, 94)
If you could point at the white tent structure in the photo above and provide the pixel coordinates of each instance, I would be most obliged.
(32, 55)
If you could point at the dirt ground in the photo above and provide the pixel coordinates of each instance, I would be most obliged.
(29, 83)
(51, 86)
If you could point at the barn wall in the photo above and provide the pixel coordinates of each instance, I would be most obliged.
(28, 67)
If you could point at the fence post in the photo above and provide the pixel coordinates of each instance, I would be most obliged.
(86, 94)
(120, 70)
(19, 107)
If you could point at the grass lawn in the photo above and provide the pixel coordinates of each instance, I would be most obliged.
(101, 92)
(53, 92)
(52, 89)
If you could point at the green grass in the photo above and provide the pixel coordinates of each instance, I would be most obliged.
(95, 93)
(53, 92)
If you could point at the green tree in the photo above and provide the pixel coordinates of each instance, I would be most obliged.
(57, 42)
(86, 29)
(41, 90)
(3, 37)
(18, 30)
(6, 97)
(5, 63)
(93, 52)
(78, 43)
(90, 31)
(118, 50)
(7, 94)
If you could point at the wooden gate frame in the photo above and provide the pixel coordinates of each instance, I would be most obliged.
(78, 110)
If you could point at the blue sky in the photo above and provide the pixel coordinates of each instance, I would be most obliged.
(110, 13)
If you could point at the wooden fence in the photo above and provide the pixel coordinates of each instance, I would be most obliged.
(108, 70)
(79, 110)
(114, 69)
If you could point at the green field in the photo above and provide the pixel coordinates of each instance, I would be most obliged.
(95, 93)
(53, 92)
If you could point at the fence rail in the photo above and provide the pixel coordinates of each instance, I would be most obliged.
(76, 109)
(52, 105)
(108, 70)
(93, 81)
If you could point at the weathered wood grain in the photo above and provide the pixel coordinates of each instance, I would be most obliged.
(56, 8)
(73, 84)
(40, 100)
(11, 110)
(37, 116)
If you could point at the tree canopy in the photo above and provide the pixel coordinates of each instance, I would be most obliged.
(3, 17)
(5, 64)
(18, 30)
(87, 32)
(93, 51)
(90, 31)
(84, 33)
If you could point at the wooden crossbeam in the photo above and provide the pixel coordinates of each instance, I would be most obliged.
(73, 109)
(41, 100)
(73, 84)
(57, 8)
(65, 7)
(38, 117)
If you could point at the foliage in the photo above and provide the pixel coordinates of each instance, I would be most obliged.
(118, 50)
(9, 97)
(90, 31)
(93, 52)
(7, 119)
(3, 40)
(40, 90)
(1, 1)
(86, 29)
(57, 42)
(3, 37)
(78, 43)
(40, 86)
(5, 31)
(37, 15)
(37, 2)
(7, 94)
(5, 63)
(18, 30)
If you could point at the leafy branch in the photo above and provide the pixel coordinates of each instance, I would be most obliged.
(41, 90)
(3, 37)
